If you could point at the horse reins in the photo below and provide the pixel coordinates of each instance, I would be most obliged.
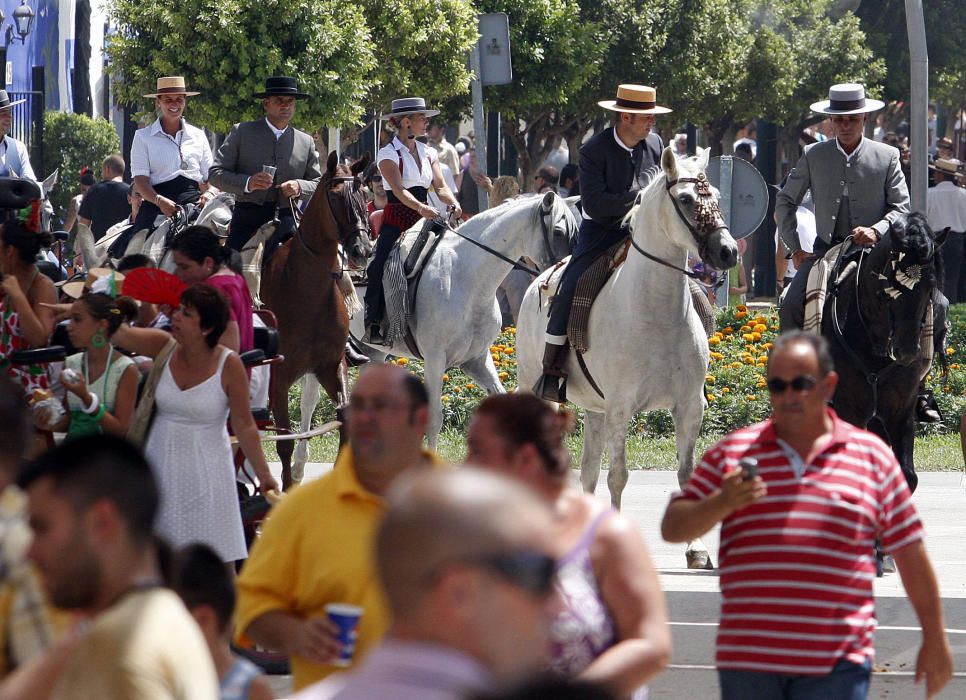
(516, 264)
(297, 215)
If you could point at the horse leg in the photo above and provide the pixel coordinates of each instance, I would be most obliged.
(435, 366)
(593, 450)
(615, 430)
(687, 425)
(310, 400)
(279, 404)
(484, 371)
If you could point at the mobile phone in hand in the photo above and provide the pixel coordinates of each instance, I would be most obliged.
(749, 467)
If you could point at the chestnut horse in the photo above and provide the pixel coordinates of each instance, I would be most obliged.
(300, 284)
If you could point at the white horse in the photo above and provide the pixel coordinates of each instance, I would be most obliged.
(648, 349)
(455, 316)
(216, 215)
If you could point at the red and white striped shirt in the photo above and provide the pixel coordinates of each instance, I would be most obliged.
(797, 566)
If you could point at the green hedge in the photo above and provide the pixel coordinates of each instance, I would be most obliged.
(72, 141)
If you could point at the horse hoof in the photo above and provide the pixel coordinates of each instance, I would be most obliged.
(699, 560)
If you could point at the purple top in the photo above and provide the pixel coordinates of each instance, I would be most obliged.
(584, 629)
(235, 289)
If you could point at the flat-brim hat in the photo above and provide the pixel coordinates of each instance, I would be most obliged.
(5, 102)
(635, 99)
(282, 86)
(171, 85)
(409, 105)
(847, 98)
(950, 166)
(76, 288)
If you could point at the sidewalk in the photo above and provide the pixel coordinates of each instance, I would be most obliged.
(693, 598)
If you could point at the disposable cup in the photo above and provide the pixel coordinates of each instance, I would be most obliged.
(346, 618)
(270, 169)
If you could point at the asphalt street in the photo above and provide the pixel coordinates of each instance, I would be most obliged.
(694, 600)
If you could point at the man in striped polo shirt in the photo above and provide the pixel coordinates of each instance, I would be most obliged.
(797, 541)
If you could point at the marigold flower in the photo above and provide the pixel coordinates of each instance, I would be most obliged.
(756, 335)
(445, 377)
(725, 390)
(470, 386)
(749, 337)
(760, 327)
(741, 307)
(709, 378)
(950, 351)
(504, 376)
(751, 397)
(741, 314)
(714, 340)
(402, 361)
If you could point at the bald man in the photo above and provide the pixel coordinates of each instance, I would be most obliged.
(465, 558)
(316, 547)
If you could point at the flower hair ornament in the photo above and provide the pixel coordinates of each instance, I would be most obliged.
(29, 216)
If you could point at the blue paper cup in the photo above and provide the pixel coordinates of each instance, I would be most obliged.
(346, 618)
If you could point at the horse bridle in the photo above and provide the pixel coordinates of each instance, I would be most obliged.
(298, 214)
(708, 219)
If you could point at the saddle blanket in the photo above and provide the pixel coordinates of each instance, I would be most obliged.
(395, 281)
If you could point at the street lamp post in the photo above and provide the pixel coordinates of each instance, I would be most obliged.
(23, 24)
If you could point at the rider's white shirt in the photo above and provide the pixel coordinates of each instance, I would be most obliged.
(158, 156)
(413, 174)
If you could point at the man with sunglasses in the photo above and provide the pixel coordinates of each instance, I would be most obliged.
(465, 559)
(316, 547)
(802, 499)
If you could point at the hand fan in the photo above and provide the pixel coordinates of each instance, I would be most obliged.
(153, 286)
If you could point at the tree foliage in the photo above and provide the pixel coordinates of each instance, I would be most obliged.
(72, 141)
(227, 48)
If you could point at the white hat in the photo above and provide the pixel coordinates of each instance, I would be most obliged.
(847, 98)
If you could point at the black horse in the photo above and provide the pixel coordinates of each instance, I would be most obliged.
(874, 317)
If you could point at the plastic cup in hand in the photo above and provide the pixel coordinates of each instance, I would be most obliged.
(346, 618)
(270, 169)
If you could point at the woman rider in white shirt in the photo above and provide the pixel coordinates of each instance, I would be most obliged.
(409, 167)
(170, 158)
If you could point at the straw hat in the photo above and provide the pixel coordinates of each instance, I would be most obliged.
(409, 105)
(951, 166)
(171, 85)
(635, 99)
(98, 280)
(847, 98)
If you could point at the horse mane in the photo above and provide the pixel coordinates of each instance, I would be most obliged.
(478, 222)
(646, 195)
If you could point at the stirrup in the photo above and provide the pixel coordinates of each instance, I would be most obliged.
(927, 410)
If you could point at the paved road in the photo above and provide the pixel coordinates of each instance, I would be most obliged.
(693, 598)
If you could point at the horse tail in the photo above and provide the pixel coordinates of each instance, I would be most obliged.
(352, 303)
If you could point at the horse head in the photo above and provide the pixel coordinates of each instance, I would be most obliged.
(348, 205)
(689, 214)
(558, 227)
(895, 287)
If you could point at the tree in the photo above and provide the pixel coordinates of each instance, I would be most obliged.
(555, 53)
(72, 141)
(227, 48)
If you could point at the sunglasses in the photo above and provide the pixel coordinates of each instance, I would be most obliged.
(534, 572)
(803, 383)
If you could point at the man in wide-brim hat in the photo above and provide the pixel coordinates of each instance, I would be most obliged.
(614, 165)
(857, 186)
(946, 209)
(14, 158)
(290, 154)
(169, 158)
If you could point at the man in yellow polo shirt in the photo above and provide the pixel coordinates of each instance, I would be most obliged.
(317, 547)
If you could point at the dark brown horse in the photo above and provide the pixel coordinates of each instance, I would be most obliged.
(300, 284)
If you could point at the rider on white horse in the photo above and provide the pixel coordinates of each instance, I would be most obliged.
(614, 165)
(410, 168)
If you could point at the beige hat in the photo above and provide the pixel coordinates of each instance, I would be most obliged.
(635, 99)
(946, 165)
(171, 85)
(75, 289)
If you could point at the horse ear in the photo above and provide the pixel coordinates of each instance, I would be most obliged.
(547, 203)
(704, 155)
(669, 164)
(331, 163)
(361, 164)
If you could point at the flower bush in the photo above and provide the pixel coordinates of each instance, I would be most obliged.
(734, 384)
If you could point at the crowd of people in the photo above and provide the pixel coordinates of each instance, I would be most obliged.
(396, 574)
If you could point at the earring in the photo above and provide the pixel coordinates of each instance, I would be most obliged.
(99, 340)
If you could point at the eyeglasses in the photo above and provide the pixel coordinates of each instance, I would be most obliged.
(532, 571)
(802, 383)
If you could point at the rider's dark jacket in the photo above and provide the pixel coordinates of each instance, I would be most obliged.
(611, 175)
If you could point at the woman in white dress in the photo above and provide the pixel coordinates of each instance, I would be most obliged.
(188, 445)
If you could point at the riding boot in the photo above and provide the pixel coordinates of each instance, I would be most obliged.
(552, 385)
(927, 410)
(353, 357)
